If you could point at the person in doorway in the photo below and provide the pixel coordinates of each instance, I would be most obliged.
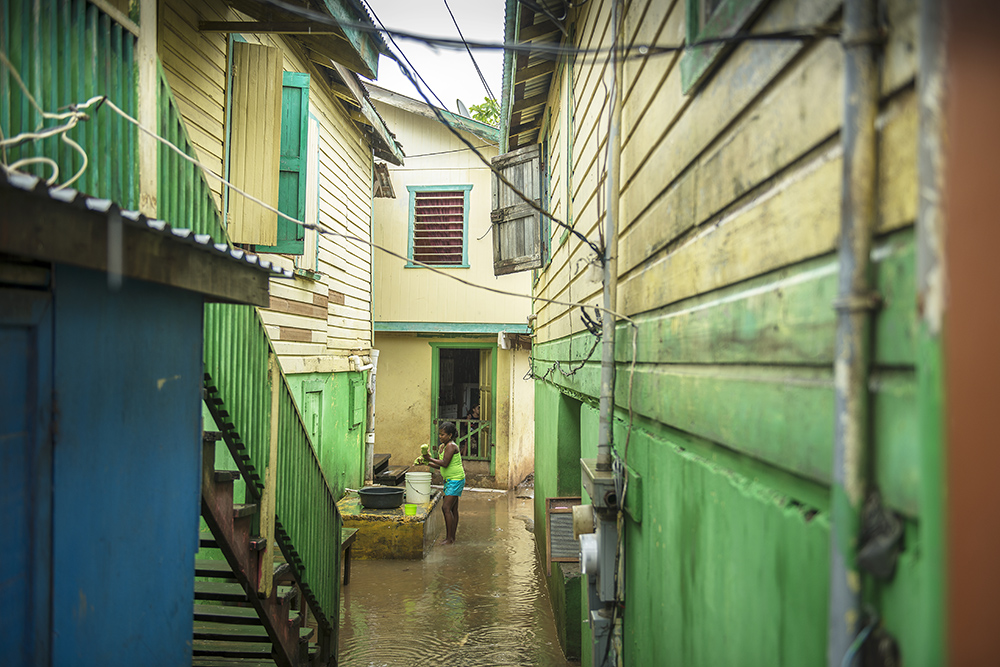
(450, 465)
(470, 428)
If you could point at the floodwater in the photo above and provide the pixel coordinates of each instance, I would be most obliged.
(480, 602)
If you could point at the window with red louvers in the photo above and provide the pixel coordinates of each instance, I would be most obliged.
(439, 227)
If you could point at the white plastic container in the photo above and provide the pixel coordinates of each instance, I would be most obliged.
(418, 487)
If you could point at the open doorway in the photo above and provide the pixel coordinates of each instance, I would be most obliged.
(463, 395)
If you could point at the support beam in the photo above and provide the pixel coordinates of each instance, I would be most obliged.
(535, 72)
(268, 27)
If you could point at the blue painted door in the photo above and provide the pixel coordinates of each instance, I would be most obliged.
(25, 475)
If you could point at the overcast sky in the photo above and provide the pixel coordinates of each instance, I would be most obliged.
(449, 72)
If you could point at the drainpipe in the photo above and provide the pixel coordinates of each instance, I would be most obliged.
(370, 430)
(606, 431)
(854, 305)
(370, 436)
(931, 303)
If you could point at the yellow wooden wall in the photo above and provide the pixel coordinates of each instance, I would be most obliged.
(418, 294)
(403, 403)
(726, 184)
(314, 324)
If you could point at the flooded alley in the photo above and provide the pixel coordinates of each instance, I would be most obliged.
(480, 602)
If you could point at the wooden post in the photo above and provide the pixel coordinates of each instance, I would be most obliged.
(266, 580)
(149, 90)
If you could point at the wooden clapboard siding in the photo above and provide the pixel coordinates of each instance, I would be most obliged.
(730, 201)
(195, 64)
(195, 67)
(417, 294)
(729, 224)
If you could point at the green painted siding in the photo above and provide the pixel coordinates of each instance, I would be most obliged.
(184, 197)
(326, 402)
(557, 423)
(729, 197)
(728, 549)
(735, 494)
(67, 52)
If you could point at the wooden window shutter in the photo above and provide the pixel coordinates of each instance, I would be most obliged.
(254, 142)
(517, 236)
(292, 183)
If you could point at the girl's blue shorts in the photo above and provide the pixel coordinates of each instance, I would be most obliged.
(453, 487)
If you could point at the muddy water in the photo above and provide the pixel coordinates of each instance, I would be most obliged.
(480, 602)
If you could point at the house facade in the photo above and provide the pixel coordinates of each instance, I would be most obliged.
(323, 135)
(445, 346)
(229, 90)
(762, 443)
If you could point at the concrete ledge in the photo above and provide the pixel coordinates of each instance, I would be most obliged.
(391, 534)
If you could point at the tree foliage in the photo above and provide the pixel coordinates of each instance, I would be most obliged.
(488, 112)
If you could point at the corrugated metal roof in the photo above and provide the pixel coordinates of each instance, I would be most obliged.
(203, 242)
(528, 73)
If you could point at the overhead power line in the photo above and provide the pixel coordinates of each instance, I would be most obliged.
(554, 50)
(471, 57)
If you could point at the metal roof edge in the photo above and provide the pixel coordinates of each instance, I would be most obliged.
(72, 202)
(511, 12)
(482, 130)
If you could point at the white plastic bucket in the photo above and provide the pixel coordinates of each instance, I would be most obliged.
(418, 487)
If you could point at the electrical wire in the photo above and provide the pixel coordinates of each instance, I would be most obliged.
(389, 34)
(555, 50)
(72, 118)
(323, 229)
(454, 150)
(412, 76)
(471, 57)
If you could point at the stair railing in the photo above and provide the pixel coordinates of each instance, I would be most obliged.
(307, 527)
(237, 351)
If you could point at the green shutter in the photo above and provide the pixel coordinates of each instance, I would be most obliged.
(292, 175)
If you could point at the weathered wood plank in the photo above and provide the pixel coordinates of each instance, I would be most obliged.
(778, 415)
(783, 317)
(796, 218)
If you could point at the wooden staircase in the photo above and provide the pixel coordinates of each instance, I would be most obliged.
(233, 623)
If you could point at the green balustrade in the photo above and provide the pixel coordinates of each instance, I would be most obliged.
(237, 351)
(67, 52)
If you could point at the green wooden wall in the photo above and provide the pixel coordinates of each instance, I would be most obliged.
(328, 403)
(732, 434)
(557, 421)
(67, 52)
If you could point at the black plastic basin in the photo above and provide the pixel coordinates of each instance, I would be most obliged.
(381, 497)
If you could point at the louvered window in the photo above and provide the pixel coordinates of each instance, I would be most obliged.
(438, 220)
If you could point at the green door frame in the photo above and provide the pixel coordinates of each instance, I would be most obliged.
(436, 390)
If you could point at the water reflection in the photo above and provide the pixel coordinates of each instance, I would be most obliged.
(480, 602)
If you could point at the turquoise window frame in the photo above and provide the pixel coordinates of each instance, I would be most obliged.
(729, 16)
(413, 190)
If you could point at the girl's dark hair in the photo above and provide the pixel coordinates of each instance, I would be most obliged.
(448, 428)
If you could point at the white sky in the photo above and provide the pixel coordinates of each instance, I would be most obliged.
(449, 72)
